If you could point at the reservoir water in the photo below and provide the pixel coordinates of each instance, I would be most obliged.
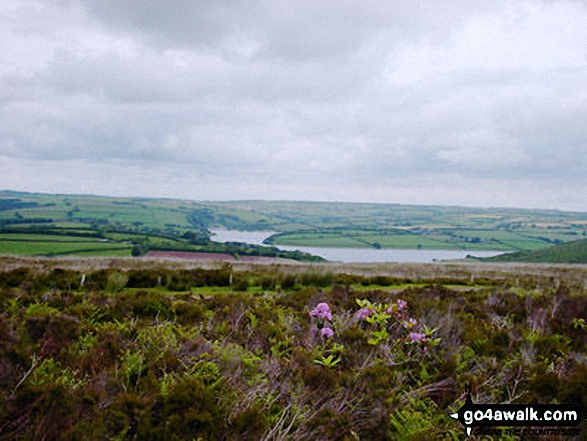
(250, 237)
(348, 255)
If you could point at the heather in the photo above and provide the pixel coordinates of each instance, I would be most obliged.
(273, 353)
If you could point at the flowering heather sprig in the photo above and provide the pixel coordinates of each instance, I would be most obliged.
(322, 310)
(418, 337)
(326, 332)
(397, 308)
(363, 313)
(408, 324)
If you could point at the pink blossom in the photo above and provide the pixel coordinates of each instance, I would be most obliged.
(322, 310)
(363, 313)
(410, 323)
(418, 337)
(401, 305)
(327, 332)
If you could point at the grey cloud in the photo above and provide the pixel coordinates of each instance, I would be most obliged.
(178, 23)
(152, 76)
(302, 27)
(295, 31)
(335, 98)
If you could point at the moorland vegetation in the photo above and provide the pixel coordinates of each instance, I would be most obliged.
(109, 351)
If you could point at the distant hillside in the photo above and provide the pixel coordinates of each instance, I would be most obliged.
(570, 252)
(116, 225)
(84, 225)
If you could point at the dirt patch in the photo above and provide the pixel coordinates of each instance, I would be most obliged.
(189, 255)
(211, 256)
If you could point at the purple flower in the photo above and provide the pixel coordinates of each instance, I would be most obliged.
(322, 310)
(410, 323)
(393, 309)
(327, 332)
(418, 337)
(363, 313)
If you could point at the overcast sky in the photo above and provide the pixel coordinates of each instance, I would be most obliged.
(458, 102)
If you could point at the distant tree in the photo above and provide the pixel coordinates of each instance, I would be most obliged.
(138, 250)
(196, 237)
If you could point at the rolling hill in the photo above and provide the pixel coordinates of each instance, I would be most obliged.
(51, 224)
(571, 252)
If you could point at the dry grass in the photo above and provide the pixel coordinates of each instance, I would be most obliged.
(463, 271)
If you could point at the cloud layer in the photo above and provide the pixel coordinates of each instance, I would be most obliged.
(463, 103)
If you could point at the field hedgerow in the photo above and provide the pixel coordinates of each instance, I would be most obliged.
(208, 354)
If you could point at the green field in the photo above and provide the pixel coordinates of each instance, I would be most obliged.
(48, 245)
(445, 239)
(105, 252)
(362, 239)
(185, 225)
(407, 226)
(571, 252)
(44, 238)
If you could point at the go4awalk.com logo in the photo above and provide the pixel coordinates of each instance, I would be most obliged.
(522, 415)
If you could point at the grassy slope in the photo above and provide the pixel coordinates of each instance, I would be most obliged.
(50, 244)
(41, 224)
(571, 252)
(54, 248)
(405, 226)
(300, 223)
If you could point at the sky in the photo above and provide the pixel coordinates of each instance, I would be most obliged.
(458, 102)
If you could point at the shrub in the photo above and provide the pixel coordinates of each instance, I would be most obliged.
(63, 279)
(40, 412)
(143, 303)
(287, 281)
(123, 418)
(189, 410)
(15, 277)
(52, 332)
(116, 281)
(143, 279)
(97, 280)
(241, 283)
(318, 279)
(249, 424)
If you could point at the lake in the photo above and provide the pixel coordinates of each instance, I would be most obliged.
(250, 237)
(348, 255)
